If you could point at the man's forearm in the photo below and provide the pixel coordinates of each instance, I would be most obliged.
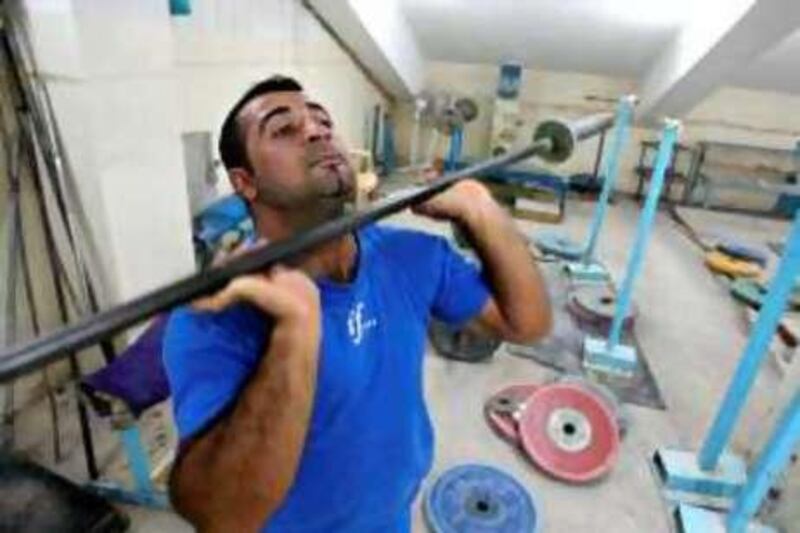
(235, 475)
(517, 284)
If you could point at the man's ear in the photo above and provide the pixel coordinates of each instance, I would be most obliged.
(243, 182)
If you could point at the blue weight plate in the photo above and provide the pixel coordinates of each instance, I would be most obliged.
(740, 251)
(553, 243)
(479, 499)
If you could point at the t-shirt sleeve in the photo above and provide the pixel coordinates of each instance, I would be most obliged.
(206, 365)
(462, 291)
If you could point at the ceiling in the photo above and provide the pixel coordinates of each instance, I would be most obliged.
(613, 37)
(776, 70)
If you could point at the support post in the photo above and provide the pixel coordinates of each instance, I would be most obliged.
(713, 473)
(456, 138)
(773, 459)
(609, 355)
(587, 269)
(756, 350)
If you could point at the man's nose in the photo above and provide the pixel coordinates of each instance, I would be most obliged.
(316, 131)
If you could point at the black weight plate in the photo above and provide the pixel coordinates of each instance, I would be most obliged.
(461, 344)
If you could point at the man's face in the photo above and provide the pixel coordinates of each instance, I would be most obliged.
(297, 162)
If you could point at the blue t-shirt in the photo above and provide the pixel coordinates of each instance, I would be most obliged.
(370, 440)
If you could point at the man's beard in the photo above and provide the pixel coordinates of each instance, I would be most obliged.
(307, 208)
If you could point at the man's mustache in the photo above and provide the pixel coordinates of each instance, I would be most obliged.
(323, 154)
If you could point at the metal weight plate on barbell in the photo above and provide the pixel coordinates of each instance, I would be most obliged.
(724, 264)
(569, 432)
(502, 409)
(467, 109)
(561, 246)
(461, 344)
(477, 498)
(596, 305)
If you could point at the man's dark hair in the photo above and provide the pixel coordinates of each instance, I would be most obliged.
(232, 147)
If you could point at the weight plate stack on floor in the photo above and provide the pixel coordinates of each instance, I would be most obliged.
(606, 394)
(595, 306)
(569, 432)
(503, 409)
(479, 498)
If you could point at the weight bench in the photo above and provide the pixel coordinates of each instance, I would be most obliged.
(521, 188)
(121, 392)
(518, 188)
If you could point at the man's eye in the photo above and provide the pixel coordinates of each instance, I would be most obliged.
(326, 123)
(283, 131)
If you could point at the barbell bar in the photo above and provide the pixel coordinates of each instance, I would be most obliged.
(554, 141)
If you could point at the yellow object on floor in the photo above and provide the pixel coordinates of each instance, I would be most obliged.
(722, 263)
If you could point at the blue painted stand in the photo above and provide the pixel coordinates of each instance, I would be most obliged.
(774, 458)
(144, 493)
(693, 519)
(580, 257)
(587, 268)
(454, 154)
(608, 355)
(708, 473)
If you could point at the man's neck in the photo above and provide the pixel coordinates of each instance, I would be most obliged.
(335, 259)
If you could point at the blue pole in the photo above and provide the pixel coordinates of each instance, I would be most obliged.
(773, 459)
(611, 157)
(459, 146)
(138, 462)
(755, 351)
(388, 145)
(668, 137)
(455, 148)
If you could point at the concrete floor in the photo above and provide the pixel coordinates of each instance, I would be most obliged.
(693, 333)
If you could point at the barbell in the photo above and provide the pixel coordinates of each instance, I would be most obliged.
(553, 141)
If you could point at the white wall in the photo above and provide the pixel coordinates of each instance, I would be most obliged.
(387, 26)
(729, 114)
(226, 46)
(744, 115)
(127, 80)
(543, 94)
(108, 68)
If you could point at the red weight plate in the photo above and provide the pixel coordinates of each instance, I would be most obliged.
(502, 421)
(569, 432)
(595, 306)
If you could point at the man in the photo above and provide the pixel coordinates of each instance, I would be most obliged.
(314, 419)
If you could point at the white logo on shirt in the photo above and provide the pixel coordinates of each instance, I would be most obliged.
(357, 325)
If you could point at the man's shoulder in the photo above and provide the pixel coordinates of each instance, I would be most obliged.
(189, 329)
(400, 239)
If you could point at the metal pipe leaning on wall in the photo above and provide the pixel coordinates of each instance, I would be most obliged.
(553, 141)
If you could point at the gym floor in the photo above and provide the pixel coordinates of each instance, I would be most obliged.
(692, 332)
